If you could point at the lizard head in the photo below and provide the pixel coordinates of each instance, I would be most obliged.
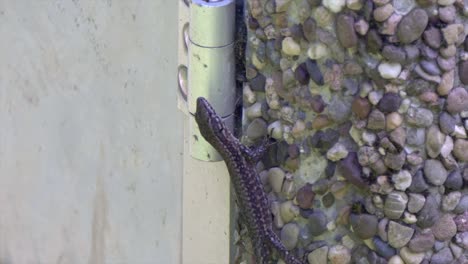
(209, 123)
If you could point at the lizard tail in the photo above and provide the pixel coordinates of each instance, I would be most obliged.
(285, 254)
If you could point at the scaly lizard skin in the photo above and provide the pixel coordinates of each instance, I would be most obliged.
(253, 203)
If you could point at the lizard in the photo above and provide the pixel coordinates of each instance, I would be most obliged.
(253, 202)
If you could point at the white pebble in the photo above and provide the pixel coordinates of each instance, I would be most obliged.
(389, 70)
(402, 180)
(317, 51)
(334, 5)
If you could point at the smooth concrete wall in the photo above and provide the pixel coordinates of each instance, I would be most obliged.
(90, 136)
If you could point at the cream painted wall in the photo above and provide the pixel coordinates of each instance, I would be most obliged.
(90, 138)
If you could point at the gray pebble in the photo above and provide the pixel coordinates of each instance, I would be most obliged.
(416, 202)
(444, 256)
(383, 249)
(450, 201)
(415, 136)
(410, 257)
(462, 205)
(454, 180)
(339, 109)
(457, 100)
(418, 183)
(395, 204)
(382, 229)
(447, 64)
(430, 67)
(422, 242)
(257, 129)
(463, 71)
(317, 223)
(462, 239)
(318, 256)
(435, 172)
(432, 37)
(412, 25)
(399, 235)
(459, 150)
(290, 235)
(394, 54)
(430, 213)
(434, 141)
(364, 225)
(419, 117)
(395, 161)
(447, 123)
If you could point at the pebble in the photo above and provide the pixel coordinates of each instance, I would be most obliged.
(328, 200)
(403, 7)
(390, 102)
(389, 27)
(351, 170)
(462, 206)
(446, 64)
(422, 242)
(459, 150)
(317, 223)
(452, 32)
(454, 180)
(334, 5)
(446, 82)
(394, 53)
(389, 70)
(444, 256)
(339, 254)
(288, 211)
(457, 100)
(430, 67)
(258, 83)
(290, 235)
(301, 74)
(256, 129)
(399, 235)
(463, 71)
(395, 161)
(361, 27)
(415, 136)
(305, 196)
(435, 172)
(450, 201)
(290, 47)
(419, 117)
(345, 31)
(447, 13)
(275, 178)
(339, 109)
(317, 51)
(449, 51)
(275, 130)
(416, 202)
(376, 120)
(396, 260)
(462, 222)
(398, 136)
(462, 239)
(410, 257)
(445, 228)
(361, 107)
(314, 72)
(430, 213)
(418, 184)
(447, 123)
(402, 180)
(364, 225)
(432, 37)
(434, 141)
(381, 13)
(337, 152)
(412, 26)
(395, 204)
(383, 249)
(309, 29)
(318, 256)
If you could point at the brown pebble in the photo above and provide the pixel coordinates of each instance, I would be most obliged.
(361, 107)
(305, 196)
